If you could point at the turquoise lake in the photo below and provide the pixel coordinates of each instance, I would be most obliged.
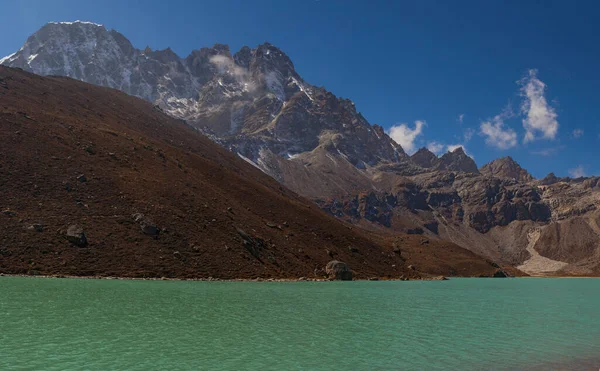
(461, 324)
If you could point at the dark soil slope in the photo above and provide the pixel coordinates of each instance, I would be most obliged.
(155, 198)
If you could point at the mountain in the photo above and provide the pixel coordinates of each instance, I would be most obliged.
(254, 103)
(508, 168)
(457, 160)
(425, 158)
(97, 182)
(251, 101)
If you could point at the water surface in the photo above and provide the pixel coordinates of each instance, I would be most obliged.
(467, 324)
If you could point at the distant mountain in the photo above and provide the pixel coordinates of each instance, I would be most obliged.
(425, 158)
(506, 167)
(457, 160)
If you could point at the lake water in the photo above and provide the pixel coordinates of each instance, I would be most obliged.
(466, 324)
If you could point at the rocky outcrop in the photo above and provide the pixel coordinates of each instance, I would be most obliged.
(507, 168)
(457, 160)
(551, 179)
(76, 235)
(481, 202)
(424, 158)
(338, 271)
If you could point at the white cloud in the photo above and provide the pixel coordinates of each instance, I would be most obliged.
(440, 148)
(460, 118)
(436, 147)
(497, 135)
(405, 136)
(577, 172)
(547, 151)
(468, 134)
(577, 133)
(540, 116)
(453, 147)
(226, 65)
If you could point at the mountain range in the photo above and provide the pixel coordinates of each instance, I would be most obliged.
(254, 103)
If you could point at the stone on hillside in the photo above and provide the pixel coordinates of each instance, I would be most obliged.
(36, 227)
(338, 270)
(149, 228)
(76, 235)
(8, 213)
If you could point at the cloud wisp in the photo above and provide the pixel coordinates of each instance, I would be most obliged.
(540, 118)
(546, 152)
(436, 147)
(405, 136)
(497, 134)
(439, 148)
(577, 172)
(226, 65)
(577, 133)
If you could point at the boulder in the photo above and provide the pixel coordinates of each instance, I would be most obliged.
(76, 236)
(8, 212)
(500, 274)
(146, 225)
(337, 270)
(149, 228)
(36, 227)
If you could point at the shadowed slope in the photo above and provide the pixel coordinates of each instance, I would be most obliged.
(73, 153)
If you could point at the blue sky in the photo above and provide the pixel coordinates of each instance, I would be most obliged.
(482, 74)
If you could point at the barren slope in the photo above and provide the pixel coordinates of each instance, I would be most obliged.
(216, 214)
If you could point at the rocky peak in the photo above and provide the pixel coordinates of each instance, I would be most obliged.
(457, 160)
(204, 63)
(268, 57)
(222, 49)
(550, 179)
(45, 49)
(508, 168)
(243, 57)
(165, 56)
(424, 158)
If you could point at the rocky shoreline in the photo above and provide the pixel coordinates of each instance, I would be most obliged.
(214, 279)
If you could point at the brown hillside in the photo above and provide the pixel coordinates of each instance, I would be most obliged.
(72, 153)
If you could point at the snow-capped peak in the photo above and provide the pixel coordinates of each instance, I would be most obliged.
(7, 59)
(78, 22)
